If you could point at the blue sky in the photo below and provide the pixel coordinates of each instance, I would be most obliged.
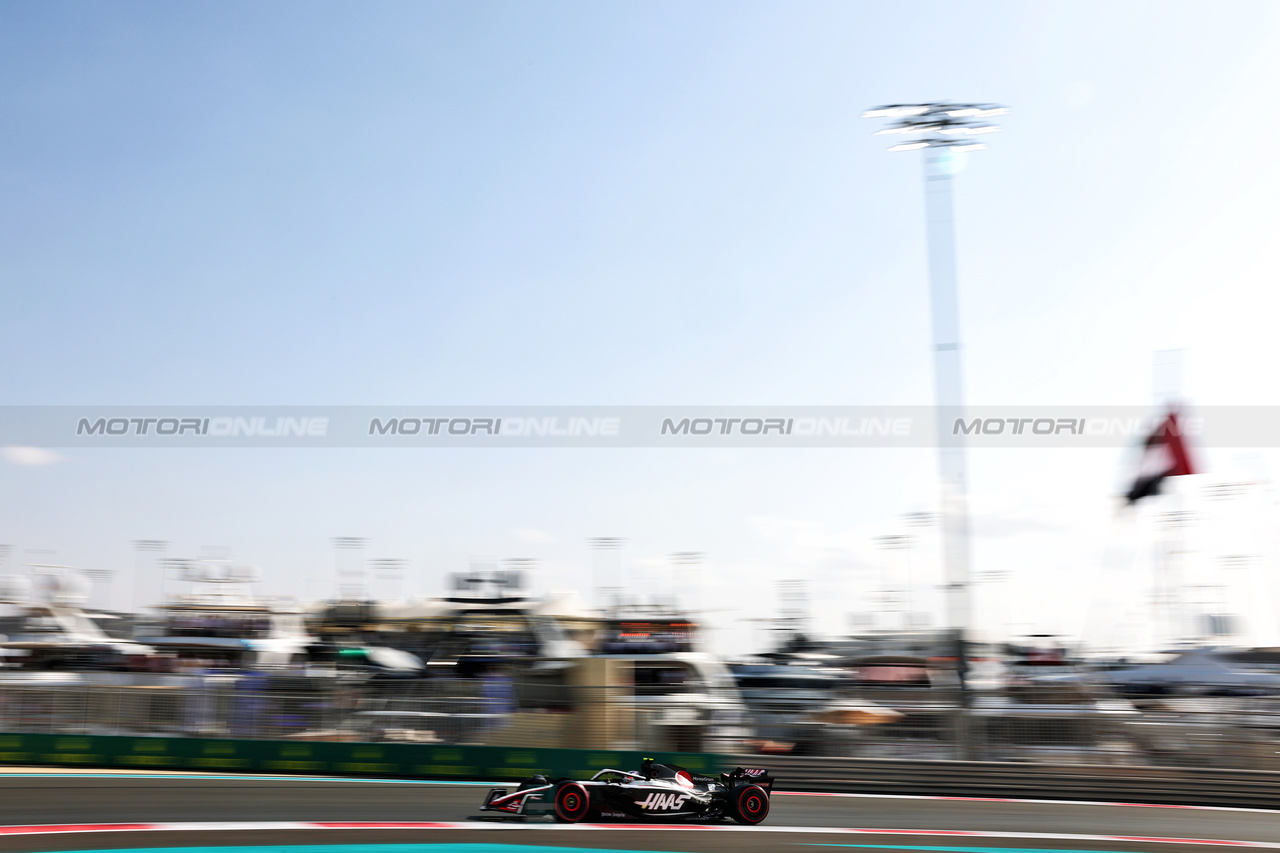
(623, 203)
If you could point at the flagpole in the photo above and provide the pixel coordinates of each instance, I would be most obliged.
(1166, 377)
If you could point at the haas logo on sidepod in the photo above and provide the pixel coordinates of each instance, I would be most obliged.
(663, 802)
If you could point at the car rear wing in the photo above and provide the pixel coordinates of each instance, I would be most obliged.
(748, 775)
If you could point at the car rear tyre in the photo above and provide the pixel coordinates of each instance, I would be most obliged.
(750, 804)
(572, 803)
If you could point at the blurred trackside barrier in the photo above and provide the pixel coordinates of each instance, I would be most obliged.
(1136, 784)
(1025, 780)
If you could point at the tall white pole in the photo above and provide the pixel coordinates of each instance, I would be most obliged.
(942, 129)
(948, 384)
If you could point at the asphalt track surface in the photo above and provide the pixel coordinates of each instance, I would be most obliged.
(797, 823)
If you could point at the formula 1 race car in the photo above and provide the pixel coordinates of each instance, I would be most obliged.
(658, 792)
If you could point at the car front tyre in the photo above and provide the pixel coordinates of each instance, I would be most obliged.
(572, 803)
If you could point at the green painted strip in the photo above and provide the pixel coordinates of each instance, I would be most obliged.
(315, 758)
(239, 777)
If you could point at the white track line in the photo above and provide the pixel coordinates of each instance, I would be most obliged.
(60, 829)
(936, 798)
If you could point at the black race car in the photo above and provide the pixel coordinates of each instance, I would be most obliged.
(659, 792)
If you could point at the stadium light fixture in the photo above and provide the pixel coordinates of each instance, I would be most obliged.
(936, 123)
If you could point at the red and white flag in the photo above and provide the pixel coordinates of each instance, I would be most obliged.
(1164, 454)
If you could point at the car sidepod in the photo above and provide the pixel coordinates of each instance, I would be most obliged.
(650, 801)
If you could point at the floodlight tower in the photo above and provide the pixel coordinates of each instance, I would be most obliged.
(606, 591)
(944, 130)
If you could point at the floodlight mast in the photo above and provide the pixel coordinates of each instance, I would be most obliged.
(941, 129)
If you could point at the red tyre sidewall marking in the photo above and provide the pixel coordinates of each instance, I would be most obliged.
(745, 798)
(574, 789)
